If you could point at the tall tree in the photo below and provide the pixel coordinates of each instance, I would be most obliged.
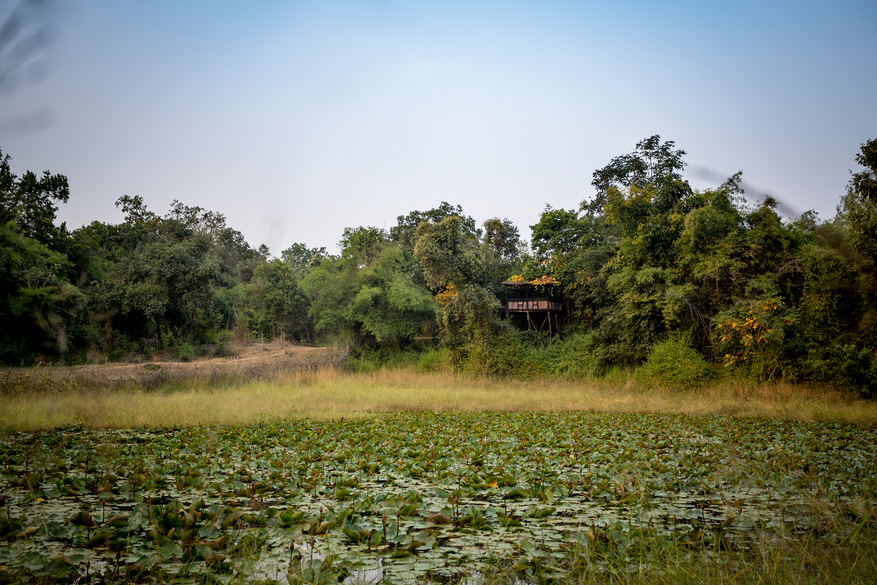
(502, 238)
(859, 206)
(406, 226)
(275, 304)
(364, 244)
(28, 202)
(651, 162)
(299, 256)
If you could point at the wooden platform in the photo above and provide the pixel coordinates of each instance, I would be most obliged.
(526, 305)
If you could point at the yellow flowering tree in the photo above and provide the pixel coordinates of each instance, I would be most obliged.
(752, 334)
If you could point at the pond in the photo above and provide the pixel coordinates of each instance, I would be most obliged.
(410, 496)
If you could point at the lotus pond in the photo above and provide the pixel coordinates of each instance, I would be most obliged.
(418, 496)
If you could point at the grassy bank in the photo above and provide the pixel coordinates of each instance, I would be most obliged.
(45, 400)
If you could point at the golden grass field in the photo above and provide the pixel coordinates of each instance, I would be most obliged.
(332, 393)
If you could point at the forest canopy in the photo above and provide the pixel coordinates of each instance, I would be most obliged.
(648, 273)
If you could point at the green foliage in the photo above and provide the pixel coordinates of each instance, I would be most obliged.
(434, 360)
(404, 231)
(651, 163)
(464, 315)
(468, 273)
(650, 220)
(41, 312)
(300, 257)
(388, 305)
(842, 365)
(648, 304)
(368, 359)
(501, 238)
(379, 301)
(709, 246)
(186, 351)
(448, 253)
(859, 205)
(363, 245)
(647, 260)
(560, 232)
(496, 352)
(753, 334)
(28, 203)
(166, 278)
(274, 304)
(674, 363)
(571, 357)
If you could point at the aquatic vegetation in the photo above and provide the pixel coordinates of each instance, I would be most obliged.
(407, 496)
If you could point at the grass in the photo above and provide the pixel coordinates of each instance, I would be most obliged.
(804, 560)
(150, 397)
(44, 401)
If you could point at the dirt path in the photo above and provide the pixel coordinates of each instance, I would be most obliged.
(244, 354)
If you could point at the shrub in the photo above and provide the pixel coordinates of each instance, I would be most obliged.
(186, 351)
(223, 339)
(613, 356)
(674, 362)
(845, 365)
(570, 357)
(434, 360)
(362, 365)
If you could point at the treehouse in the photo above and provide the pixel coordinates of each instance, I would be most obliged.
(531, 304)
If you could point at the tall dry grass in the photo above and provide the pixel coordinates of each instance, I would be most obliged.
(320, 390)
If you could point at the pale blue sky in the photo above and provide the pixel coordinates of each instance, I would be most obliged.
(297, 119)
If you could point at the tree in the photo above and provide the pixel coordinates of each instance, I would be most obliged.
(299, 256)
(135, 210)
(458, 268)
(859, 206)
(41, 312)
(275, 304)
(388, 305)
(560, 232)
(651, 162)
(28, 203)
(448, 253)
(500, 252)
(374, 303)
(502, 239)
(406, 226)
(710, 244)
(364, 244)
(166, 277)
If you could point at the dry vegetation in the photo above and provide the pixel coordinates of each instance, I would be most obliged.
(279, 380)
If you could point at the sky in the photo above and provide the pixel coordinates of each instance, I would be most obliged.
(298, 119)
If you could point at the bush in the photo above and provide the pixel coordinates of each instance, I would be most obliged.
(499, 354)
(844, 365)
(186, 351)
(223, 339)
(570, 357)
(434, 360)
(754, 335)
(675, 363)
(362, 365)
(613, 356)
(376, 358)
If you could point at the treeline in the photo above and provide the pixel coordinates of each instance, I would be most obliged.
(649, 273)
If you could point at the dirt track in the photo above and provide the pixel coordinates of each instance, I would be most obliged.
(244, 356)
